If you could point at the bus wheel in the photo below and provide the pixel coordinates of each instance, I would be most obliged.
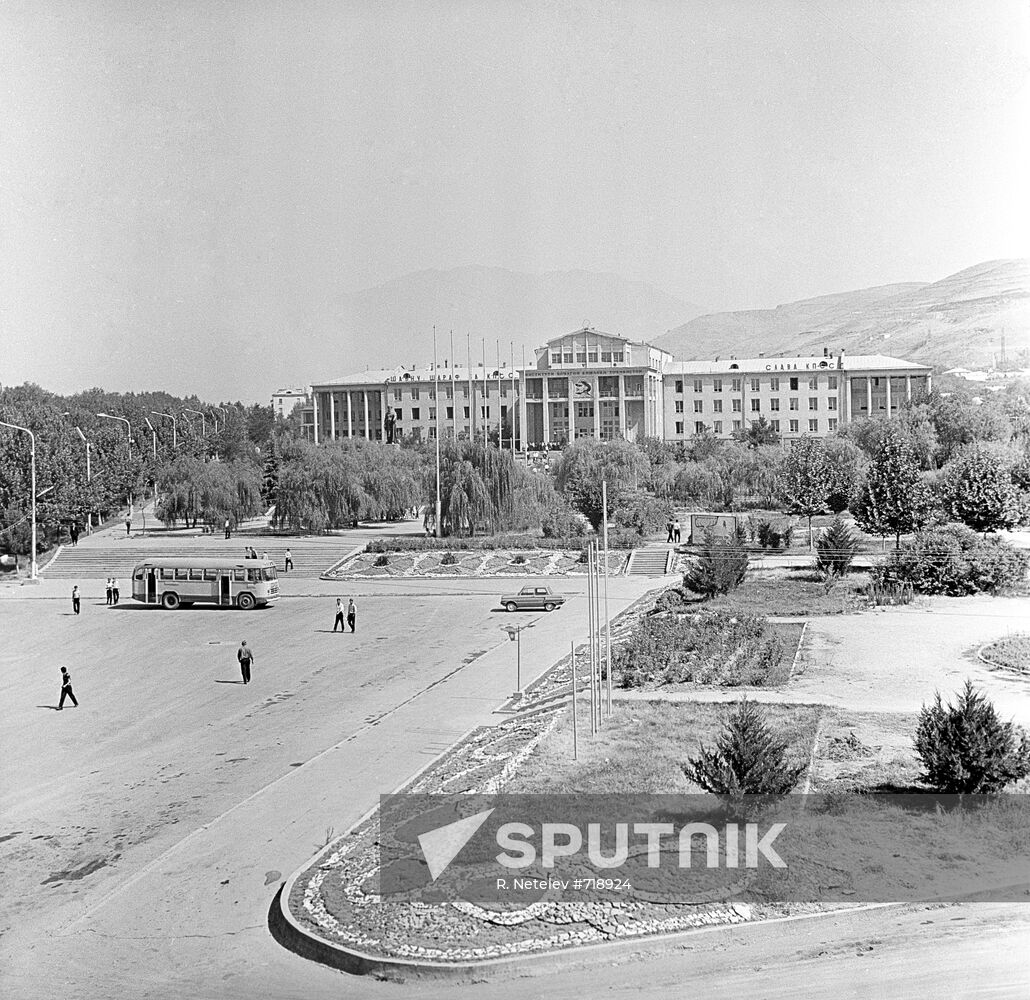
(245, 602)
(170, 601)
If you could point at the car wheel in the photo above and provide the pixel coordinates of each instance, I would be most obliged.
(549, 606)
(245, 602)
(170, 601)
(511, 606)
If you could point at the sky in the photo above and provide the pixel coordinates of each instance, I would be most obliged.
(180, 180)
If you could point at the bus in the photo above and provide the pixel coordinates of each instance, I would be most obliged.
(231, 583)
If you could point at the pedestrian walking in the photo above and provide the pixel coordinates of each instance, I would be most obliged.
(676, 530)
(110, 594)
(264, 556)
(669, 526)
(114, 591)
(75, 599)
(128, 525)
(66, 689)
(288, 564)
(73, 531)
(228, 529)
(352, 614)
(339, 615)
(246, 657)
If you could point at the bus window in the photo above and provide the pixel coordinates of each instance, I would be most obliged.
(196, 574)
(210, 574)
(239, 575)
(138, 575)
(168, 574)
(182, 574)
(253, 575)
(268, 573)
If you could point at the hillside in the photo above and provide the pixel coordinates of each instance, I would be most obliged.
(393, 322)
(956, 321)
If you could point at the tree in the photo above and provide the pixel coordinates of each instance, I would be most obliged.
(758, 432)
(718, 568)
(892, 499)
(980, 492)
(805, 480)
(584, 465)
(836, 550)
(966, 749)
(842, 465)
(748, 758)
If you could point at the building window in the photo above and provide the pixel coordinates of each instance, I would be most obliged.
(606, 357)
(755, 385)
(396, 396)
(717, 385)
(813, 403)
(568, 357)
(679, 405)
(465, 390)
(774, 404)
(414, 392)
(415, 413)
(793, 427)
(581, 357)
(449, 392)
(794, 403)
(774, 385)
(756, 405)
(485, 412)
(775, 425)
(679, 426)
(813, 426)
(450, 412)
(794, 384)
(736, 425)
(504, 392)
(699, 406)
(466, 413)
(717, 406)
(432, 394)
(699, 427)
(736, 406)
(831, 403)
(832, 423)
(813, 382)
(432, 413)
(833, 382)
(432, 433)
(400, 414)
(679, 386)
(735, 385)
(617, 355)
(717, 427)
(698, 385)
(592, 357)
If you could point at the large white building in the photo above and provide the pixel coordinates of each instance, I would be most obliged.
(589, 384)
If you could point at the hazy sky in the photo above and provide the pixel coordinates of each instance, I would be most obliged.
(175, 176)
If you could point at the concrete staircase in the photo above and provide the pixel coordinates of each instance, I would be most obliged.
(649, 561)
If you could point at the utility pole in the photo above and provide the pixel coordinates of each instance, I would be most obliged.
(436, 393)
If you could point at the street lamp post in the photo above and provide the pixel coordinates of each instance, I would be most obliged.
(89, 479)
(32, 457)
(153, 436)
(171, 416)
(203, 420)
(515, 635)
(128, 432)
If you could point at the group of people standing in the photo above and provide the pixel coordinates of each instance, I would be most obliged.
(352, 614)
(249, 552)
(674, 530)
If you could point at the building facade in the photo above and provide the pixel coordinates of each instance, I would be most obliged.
(285, 401)
(589, 384)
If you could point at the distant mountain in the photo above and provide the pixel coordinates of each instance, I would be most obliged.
(959, 320)
(392, 323)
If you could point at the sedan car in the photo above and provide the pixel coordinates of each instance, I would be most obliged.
(533, 598)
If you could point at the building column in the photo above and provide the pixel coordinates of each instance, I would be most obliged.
(523, 414)
(350, 417)
(332, 416)
(547, 418)
(314, 393)
(888, 395)
(622, 405)
(597, 408)
(847, 399)
(869, 395)
(368, 429)
(908, 388)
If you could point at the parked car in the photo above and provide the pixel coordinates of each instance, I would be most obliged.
(533, 598)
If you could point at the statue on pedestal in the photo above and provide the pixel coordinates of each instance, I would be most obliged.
(390, 425)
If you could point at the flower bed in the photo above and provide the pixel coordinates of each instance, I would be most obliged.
(476, 563)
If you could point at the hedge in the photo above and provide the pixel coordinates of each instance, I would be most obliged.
(402, 543)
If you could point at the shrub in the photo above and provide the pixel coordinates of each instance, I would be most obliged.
(719, 568)
(561, 520)
(966, 748)
(788, 536)
(954, 561)
(519, 560)
(835, 549)
(381, 561)
(748, 758)
(764, 533)
(449, 559)
(490, 543)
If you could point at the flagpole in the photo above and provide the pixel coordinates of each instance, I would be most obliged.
(486, 397)
(454, 401)
(472, 391)
(436, 394)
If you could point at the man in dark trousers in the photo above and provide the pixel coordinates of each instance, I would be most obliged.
(75, 599)
(352, 614)
(339, 615)
(110, 594)
(246, 657)
(288, 564)
(66, 689)
(73, 531)
(128, 525)
(669, 527)
(228, 529)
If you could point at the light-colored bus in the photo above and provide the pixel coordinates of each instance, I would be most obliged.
(231, 583)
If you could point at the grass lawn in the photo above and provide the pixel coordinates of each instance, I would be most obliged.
(796, 591)
(642, 745)
(1011, 652)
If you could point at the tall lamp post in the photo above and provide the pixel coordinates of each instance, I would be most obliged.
(515, 635)
(153, 436)
(128, 432)
(203, 420)
(171, 416)
(89, 479)
(32, 456)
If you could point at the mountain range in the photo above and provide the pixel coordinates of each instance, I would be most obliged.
(975, 318)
